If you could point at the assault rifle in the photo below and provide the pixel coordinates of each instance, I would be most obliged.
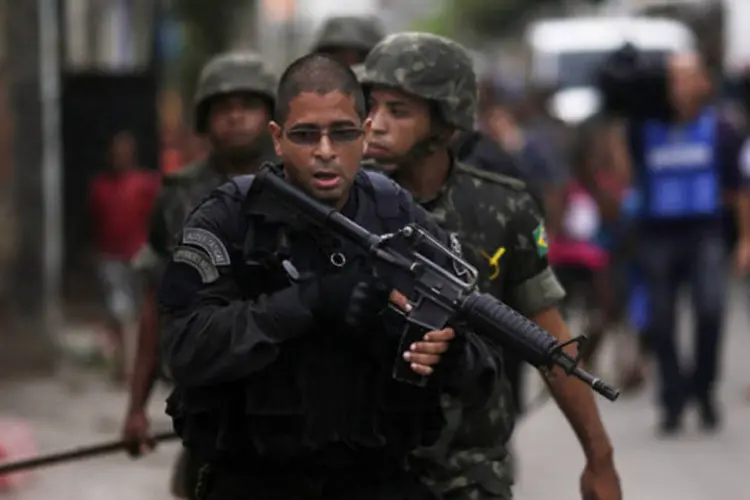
(442, 297)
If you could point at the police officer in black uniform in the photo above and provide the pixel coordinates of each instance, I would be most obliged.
(280, 340)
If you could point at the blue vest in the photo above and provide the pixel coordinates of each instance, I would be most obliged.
(680, 173)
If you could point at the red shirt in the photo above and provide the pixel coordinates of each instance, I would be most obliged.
(120, 207)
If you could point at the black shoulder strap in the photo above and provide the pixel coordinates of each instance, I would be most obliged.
(238, 186)
(389, 199)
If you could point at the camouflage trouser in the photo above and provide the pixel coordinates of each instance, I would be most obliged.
(470, 460)
(491, 480)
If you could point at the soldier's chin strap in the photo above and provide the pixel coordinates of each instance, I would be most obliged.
(421, 150)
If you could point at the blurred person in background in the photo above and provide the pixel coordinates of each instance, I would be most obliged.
(416, 111)
(545, 148)
(496, 144)
(685, 160)
(120, 201)
(233, 104)
(584, 246)
(745, 166)
(348, 39)
(598, 147)
(741, 100)
(172, 150)
(172, 134)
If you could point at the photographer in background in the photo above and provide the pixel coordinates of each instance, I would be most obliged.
(685, 161)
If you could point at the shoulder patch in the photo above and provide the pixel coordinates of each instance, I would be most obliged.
(540, 240)
(506, 180)
(198, 260)
(209, 243)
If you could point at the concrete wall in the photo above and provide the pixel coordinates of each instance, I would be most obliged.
(26, 330)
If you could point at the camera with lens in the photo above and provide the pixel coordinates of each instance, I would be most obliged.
(634, 84)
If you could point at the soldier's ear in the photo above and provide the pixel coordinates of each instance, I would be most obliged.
(277, 133)
(366, 126)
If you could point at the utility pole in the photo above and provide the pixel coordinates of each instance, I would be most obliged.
(33, 97)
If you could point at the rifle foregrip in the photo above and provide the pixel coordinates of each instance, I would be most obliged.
(496, 321)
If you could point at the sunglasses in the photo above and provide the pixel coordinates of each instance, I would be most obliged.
(313, 136)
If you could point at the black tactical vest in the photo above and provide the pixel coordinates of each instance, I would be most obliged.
(327, 391)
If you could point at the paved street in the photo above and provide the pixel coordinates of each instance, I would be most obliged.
(694, 467)
(76, 409)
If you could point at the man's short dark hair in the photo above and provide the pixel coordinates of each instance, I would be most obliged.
(321, 74)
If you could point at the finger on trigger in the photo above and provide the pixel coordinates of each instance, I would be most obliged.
(440, 335)
(399, 300)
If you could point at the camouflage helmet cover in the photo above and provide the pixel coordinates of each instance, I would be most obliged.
(230, 72)
(349, 32)
(428, 66)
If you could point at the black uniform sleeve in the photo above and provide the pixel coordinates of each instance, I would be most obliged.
(211, 334)
(151, 258)
(158, 232)
(470, 370)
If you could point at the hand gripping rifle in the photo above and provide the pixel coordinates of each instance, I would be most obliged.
(442, 298)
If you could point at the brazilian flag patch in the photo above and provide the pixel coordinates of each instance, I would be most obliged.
(540, 240)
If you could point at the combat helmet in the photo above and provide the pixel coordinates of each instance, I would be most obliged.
(242, 71)
(428, 66)
(349, 32)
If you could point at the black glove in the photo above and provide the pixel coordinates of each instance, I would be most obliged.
(345, 299)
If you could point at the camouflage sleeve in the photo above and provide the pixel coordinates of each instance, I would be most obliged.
(470, 460)
(531, 284)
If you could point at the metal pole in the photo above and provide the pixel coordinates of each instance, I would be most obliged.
(75, 454)
(49, 71)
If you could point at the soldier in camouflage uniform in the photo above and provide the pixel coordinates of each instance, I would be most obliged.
(233, 105)
(423, 91)
(348, 39)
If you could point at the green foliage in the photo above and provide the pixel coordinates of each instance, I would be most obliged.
(438, 24)
(487, 18)
(207, 25)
